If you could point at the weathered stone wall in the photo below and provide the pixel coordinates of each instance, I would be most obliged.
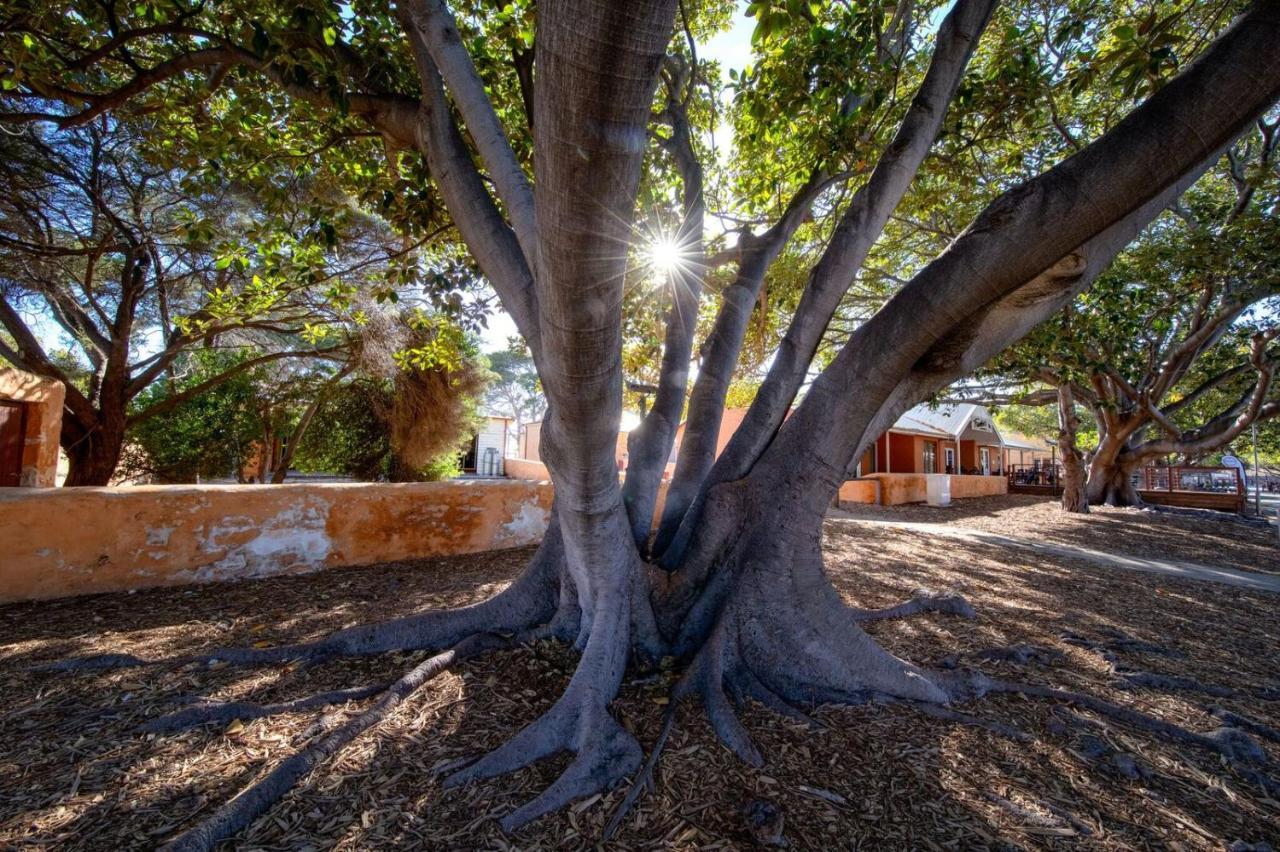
(73, 541)
(528, 469)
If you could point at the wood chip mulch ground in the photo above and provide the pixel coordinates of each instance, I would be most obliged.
(76, 774)
(1208, 538)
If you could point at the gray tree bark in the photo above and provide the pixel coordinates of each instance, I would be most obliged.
(1074, 498)
(649, 445)
(834, 273)
(747, 606)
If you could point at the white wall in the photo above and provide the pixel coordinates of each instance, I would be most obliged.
(491, 437)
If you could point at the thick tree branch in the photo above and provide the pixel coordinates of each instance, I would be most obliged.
(174, 400)
(1026, 255)
(1204, 387)
(1251, 407)
(720, 354)
(439, 31)
(491, 240)
(30, 356)
(857, 231)
(649, 446)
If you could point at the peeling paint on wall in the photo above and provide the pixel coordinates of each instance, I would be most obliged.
(159, 536)
(71, 541)
(293, 541)
(527, 527)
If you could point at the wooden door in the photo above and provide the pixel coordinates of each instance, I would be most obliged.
(13, 430)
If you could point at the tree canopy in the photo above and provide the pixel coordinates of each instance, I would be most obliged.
(570, 150)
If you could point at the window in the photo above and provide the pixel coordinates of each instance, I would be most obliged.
(930, 456)
(951, 459)
(985, 454)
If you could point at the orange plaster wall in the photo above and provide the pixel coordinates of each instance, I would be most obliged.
(44, 399)
(978, 486)
(899, 488)
(526, 469)
(73, 541)
(533, 470)
(858, 491)
(902, 453)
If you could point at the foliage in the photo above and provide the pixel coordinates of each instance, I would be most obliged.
(206, 437)
(410, 413)
(1169, 326)
(515, 390)
(350, 437)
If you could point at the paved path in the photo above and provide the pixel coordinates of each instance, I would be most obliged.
(1168, 567)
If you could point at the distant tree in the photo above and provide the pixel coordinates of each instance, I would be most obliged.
(208, 435)
(515, 390)
(138, 266)
(408, 414)
(354, 440)
(1172, 352)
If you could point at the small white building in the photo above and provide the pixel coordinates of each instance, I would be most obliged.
(488, 447)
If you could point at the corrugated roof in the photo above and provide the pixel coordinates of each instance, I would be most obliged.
(945, 420)
(907, 423)
(1022, 442)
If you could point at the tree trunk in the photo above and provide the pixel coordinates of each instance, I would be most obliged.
(1074, 498)
(1110, 477)
(94, 453)
(748, 608)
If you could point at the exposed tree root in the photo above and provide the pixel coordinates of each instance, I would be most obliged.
(1235, 720)
(221, 712)
(644, 781)
(580, 722)
(605, 753)
(946, 714)
(1119, 642)
(97, 662)
(1019, 654)
(922, 601)
(1133, 679)
(1232, 743)
(253, 801)
(786, 638)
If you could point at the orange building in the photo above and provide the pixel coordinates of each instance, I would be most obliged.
(954, 439)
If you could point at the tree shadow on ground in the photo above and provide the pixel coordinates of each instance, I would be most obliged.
(875, 776)
(1212, 538)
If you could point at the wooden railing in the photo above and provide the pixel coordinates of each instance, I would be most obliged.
(1217, 480)
(1034, 478)
(1198, 487)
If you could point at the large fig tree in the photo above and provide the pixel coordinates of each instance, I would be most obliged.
(536, 131)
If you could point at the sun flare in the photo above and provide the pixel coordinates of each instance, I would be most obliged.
(666, 256)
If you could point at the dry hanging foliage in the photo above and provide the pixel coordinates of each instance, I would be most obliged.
(435, 379)
(432, 411)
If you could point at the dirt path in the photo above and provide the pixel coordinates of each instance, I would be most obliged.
(1169, 567)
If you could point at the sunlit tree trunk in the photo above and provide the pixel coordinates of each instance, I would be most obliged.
(1074, 474)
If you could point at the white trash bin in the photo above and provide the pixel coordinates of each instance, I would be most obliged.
(938, 489)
